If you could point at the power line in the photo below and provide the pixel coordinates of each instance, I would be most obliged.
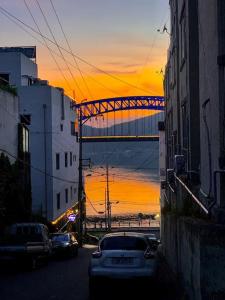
(51, 53)
(131, 178)
(78, 57)
(68, 44)
(31, 166)
(35, 38)
(35, 168)
(91, 204)
(59, 48)
(156, 35)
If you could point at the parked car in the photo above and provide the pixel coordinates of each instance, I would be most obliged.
(64, 244)
(123, 255)
(153, 241)
(26, 243)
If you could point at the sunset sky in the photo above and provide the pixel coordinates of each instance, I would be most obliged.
(118, 36)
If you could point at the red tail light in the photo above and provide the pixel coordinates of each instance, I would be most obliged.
(97, 254)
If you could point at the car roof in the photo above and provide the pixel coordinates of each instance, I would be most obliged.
(60, 233)
(121, 234)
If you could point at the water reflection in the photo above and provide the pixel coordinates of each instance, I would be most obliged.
(137, 192)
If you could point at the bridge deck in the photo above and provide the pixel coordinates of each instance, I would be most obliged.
(94, 139)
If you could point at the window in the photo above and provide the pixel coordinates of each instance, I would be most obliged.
(66, 159)
(57, 161)
(61, 127)
(71, 192)
(71, 160)
(74, 158)
(62, 106)
(25, 140)
(29, 81)
(58, 201)
(25, 119)
(123, 243)
(74, 190)
(73, 131)
(66, 195)
(4, 79)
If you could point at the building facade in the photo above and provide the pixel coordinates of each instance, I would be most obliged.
(9, 120)
(194, 93)
(50, 117)
(15, 199)
(193, 215)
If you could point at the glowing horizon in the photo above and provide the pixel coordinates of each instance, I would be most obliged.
(119, 38)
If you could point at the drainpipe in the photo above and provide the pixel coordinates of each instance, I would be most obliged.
(45, 162)
(215, 173)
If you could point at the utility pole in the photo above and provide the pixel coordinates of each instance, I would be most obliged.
(80, 183)
(107, 196)
(105, 210)
(45, 161)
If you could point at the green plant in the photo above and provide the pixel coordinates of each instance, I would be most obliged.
(10, 89)
(13, 193)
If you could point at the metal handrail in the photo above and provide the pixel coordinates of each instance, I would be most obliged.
(192, 195)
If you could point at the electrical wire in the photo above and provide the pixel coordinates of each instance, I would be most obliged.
(70, 49)
(59, 48)
(46, 44)
(152, 46)
(35, 168)
(91, 204)
(76, 56)
(31, 166)
(35, 38)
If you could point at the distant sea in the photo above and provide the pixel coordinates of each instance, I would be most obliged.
(134, 180)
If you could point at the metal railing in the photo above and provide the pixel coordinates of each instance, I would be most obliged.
(202, 206)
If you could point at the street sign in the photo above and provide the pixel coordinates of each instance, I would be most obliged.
(72, 217)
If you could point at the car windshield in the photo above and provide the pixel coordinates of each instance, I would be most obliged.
(123, 243)
(60, 238)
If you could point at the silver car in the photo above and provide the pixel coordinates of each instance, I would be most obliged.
(125, 255)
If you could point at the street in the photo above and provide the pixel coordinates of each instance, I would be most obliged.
(68, 279)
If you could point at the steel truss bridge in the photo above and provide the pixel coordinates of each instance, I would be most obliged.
(89, 109)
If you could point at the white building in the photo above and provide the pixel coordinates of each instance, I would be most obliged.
(9, 119)
(50, 117)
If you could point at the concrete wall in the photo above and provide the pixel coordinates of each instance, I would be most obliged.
(17, 65)
(9, 119)
(32, 100)
(58, 140)
(63, 143)
(210, 99)
(195, 251)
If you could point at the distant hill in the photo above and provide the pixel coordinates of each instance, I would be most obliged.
(143, 126)
(126, 154)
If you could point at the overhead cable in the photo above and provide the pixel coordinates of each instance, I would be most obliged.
(59, 48)
(46, 44)
(78, 57)
(71, 51)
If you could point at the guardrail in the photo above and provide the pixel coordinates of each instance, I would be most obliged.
(125, 224)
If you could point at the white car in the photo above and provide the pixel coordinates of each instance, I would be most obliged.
(124, 255)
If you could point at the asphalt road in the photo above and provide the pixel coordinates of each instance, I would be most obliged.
(68, 279)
